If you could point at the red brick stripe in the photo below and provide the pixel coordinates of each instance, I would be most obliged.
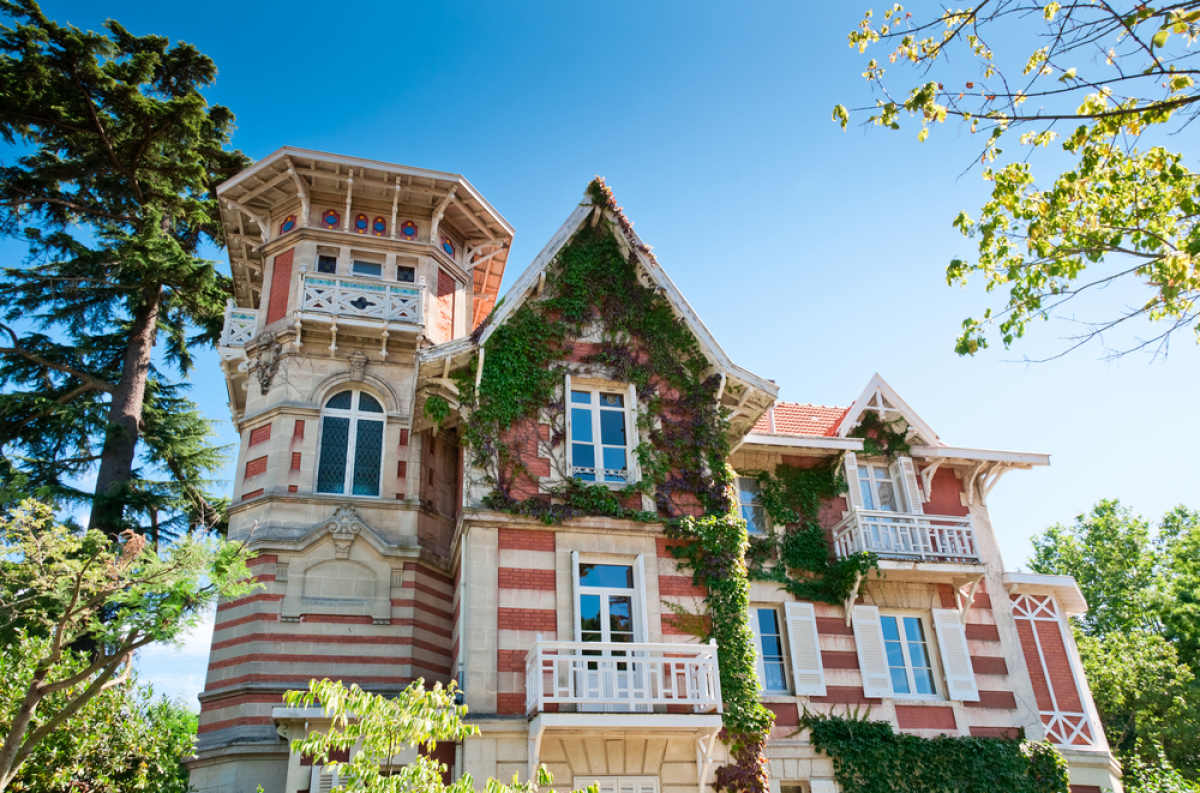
(1000, 700)
(526, 540)
(288, 638)
(526, 619)
(278, 658)
(264, 559)
(252, 494)
(275, 698)
(834, 626)
(260, 434)
(510, 660)
(516, 578)
(916, 717)
(982, 633)
(432, 574)
(256, 467)
(421, 605)
(679, 586)
(214, 726)
(300, 682)
(257, 617)
(263, 596)
(839, 659)
(996, 732)
(845, 695)
(988, 665)
(664, 547)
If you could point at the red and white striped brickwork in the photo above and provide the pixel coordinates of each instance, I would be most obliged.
(256, 657)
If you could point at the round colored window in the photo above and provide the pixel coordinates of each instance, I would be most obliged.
(288, 224)
(360, 224)
(330, 219)
(409, 229)
(379, 226)
(447, 246)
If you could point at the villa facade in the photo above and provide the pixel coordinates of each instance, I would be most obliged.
(365, 297)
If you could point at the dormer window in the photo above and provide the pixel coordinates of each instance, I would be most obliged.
(750, 504)
(601, 426)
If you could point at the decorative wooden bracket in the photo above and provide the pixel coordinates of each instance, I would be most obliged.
(853, 597)
(927, 478)
(964, 600)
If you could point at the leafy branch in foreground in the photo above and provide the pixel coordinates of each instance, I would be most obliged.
(66, 586)
(1104, 74)
(379, 728)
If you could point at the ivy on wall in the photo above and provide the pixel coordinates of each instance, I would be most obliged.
(592, 290)
(799, 557)
(868, 757)
(880, 437)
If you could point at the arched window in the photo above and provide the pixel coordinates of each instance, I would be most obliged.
(351, 457)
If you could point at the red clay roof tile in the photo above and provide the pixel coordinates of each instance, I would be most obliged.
(796, 418)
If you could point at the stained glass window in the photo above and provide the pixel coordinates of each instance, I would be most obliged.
(351, 454)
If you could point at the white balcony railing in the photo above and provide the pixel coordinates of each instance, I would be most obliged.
(361, 297)
(241, 325)
(896, 535)
(624, 678)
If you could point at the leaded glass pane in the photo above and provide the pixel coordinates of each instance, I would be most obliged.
(340, 401)
(368, 457)
(368, 403)
(335, 439)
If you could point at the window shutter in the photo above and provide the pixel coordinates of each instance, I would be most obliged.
(322, 781)
(575, 596)
(642, 628)
(807, 672)
(567, 410)
(854, 497)
(868, 640)
(631, 436)
(912, 489)
(759, 668)
(956, 657)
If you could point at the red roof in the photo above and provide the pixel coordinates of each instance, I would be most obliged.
(796, 418)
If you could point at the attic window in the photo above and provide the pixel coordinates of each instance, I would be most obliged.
(601, 430)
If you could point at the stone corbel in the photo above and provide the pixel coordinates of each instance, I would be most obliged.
(344, 527)
(358, 365)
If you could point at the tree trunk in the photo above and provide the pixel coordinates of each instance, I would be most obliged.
(124, 419)
(20, 723)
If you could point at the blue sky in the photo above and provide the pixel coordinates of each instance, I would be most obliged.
(816, 257)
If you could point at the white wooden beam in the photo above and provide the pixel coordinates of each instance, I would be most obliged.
(263, 228)
(302, 190)
(349, 196)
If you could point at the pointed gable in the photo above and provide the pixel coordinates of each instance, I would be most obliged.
(882, 399)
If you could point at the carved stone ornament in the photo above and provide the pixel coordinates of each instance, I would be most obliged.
(344, 526)
(358, 366)
(266, 362)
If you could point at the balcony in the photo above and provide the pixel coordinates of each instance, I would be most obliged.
(241, 325)
(361, 298)
(914, 538)
(622, 678)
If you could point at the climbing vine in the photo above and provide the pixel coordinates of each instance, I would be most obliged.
(799, 557)
(880, 437)
(868, 757)
(593, 291)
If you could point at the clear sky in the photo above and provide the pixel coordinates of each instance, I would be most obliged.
(816, 257)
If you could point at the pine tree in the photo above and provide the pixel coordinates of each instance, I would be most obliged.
(112, 186)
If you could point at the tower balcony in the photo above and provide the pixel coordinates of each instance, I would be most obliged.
(597, 677)
(907, 537)
(362, 298)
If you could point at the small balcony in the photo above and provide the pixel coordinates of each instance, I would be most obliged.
(241, 325)
(361, 298)
(913, 538)
(595, 677)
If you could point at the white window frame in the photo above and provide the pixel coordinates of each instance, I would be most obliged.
(767, 527)
(617, 784)
(630, 412)
(930, 650)
(354, 414)
(355, 262)
(872, 483)
(784, 648)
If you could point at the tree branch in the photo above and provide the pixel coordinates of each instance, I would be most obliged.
(17, 349)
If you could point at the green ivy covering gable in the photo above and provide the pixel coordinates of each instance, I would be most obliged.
(868, 757)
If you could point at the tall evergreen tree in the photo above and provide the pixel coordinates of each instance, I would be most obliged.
(115, 159)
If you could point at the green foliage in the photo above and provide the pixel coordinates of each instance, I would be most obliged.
(882, 438)
(122, 740)
(869, 758)
(1138, 638)
(1123, 211)
(380, 728)
(593, 285)
(62, 586)
(799, 557)
(112, 186)
(437, 410)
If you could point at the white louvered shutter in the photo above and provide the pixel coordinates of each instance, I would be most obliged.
(576, 626)
(641, 630)
(872, 661)
(322, 781)
(759, 668)
(631, 405)
(807, 672)
(912, 488)
(609, 785)
(567, 425)
(956, 657)
(646, 785)
(854, 493)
